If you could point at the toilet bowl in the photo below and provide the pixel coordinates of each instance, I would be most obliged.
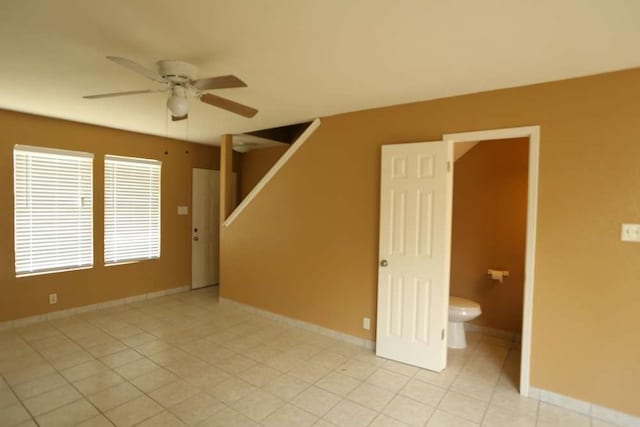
(460, 310)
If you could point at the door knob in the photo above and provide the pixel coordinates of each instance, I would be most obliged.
(383, 263)
(195, 239)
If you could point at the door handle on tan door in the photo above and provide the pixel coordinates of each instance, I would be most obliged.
(384, 263)
(196, 238)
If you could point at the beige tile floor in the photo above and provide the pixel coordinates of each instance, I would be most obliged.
(186, 360)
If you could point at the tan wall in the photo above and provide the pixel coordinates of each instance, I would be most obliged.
(311, 236)
(489, 229)
(29, 295)
(255, 164)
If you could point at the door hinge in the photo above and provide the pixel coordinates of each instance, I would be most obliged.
(448, 166)
(442, 335)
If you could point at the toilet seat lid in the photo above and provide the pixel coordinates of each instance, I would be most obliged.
(462, 304)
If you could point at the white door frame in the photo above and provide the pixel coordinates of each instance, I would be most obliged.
(533, 133)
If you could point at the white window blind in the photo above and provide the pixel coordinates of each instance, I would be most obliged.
(131, 209)
(53, 209)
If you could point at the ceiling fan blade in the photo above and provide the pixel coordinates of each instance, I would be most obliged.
(127, 63)
(178, 118)
(131, 92)
(227, 104)
(220, 82)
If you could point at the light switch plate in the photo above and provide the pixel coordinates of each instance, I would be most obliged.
(183, 210)
(630, 233)
(366, 323)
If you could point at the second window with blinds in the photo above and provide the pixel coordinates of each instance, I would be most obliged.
(131, 209)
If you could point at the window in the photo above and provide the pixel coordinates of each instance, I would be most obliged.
(131, 209)
(53, 209)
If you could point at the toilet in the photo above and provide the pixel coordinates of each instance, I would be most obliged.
(460, 310)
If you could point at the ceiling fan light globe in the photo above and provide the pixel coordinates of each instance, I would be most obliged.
(177, 105)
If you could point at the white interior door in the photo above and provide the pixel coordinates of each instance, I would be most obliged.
(204, 227)
(413, 271)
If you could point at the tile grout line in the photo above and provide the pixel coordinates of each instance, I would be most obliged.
(95, 358)
(321, 347)
(495, 386)
(10, 387)
(55, 388)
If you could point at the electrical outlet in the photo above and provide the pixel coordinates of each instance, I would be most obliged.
(53, 298)
(366, 323)
(630, 233)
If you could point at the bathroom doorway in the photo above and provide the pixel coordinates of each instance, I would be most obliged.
(484, 212)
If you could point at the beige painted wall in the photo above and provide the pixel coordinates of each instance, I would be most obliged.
(29, 295)
(311, 236)
(489, 229)
(255, 164)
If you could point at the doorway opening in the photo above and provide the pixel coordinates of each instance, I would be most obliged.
(416, 198)
(523, 135)
(488, 231)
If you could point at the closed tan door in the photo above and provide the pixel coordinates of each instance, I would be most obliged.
(205, 228)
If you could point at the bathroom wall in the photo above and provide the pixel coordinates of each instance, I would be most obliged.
(255, 164)
(489, 229)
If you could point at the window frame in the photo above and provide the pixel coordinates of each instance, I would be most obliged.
(115, 164)
(33, 183)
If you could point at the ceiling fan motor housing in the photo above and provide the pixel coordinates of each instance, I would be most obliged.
(177, 72)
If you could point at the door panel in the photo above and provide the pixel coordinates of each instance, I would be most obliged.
(204, 227)
(413, 275)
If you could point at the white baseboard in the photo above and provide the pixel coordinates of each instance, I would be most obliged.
(600, 412)
(500, 333)
(24, 321)
(362, 342)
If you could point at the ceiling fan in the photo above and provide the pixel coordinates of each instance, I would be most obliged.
(180, 78)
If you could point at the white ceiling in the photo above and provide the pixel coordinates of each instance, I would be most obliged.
(301, 58)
